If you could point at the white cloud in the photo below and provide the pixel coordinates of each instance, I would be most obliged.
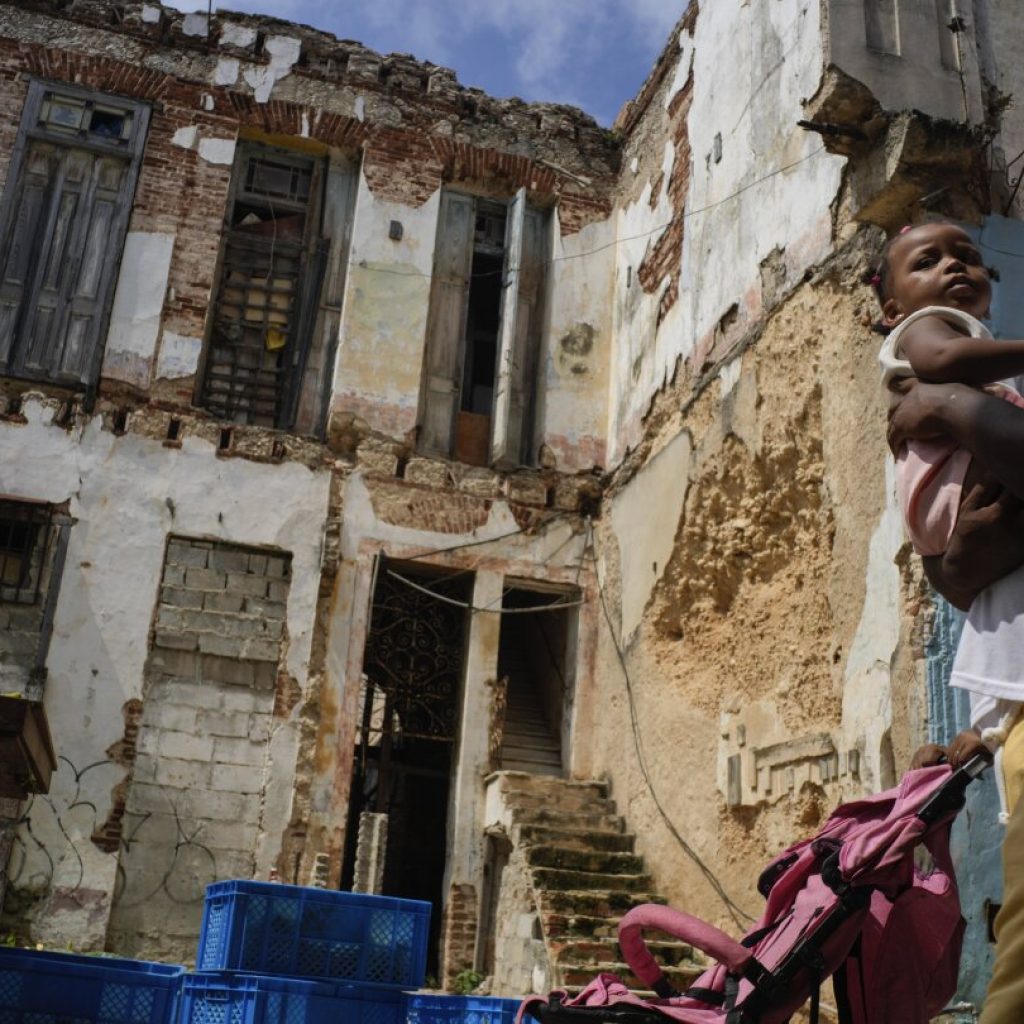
(552, 46)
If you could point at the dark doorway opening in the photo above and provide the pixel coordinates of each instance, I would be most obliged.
(535, 660)
(412, 677)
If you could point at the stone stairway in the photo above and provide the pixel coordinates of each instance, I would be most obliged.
(584, 876)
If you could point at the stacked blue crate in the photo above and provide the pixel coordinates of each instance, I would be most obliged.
(56, 988)
(286, 954)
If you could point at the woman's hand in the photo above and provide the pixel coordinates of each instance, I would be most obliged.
(916, 412)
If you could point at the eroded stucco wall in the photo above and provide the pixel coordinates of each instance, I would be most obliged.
(127, 494)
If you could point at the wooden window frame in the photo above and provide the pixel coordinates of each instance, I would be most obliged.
(131, 146)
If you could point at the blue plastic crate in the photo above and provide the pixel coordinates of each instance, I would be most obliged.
(436, 1009)
(61, 988)
(213, 998)
(314, 933)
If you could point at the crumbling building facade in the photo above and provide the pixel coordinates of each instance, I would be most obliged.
(373, 450)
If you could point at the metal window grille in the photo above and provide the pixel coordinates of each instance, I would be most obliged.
(25, 532)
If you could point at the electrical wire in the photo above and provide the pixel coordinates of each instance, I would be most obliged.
(685, 215)
(738, 914)
(485, 608)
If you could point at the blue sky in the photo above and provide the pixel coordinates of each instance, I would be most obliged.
(594, 54)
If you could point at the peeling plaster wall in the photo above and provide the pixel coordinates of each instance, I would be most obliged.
(127, 494)
(385, 313)
(774, 63)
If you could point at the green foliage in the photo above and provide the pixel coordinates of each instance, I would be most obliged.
(466, 982)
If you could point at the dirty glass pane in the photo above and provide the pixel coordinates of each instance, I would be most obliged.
(61, 112)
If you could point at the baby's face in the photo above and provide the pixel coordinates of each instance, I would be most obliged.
(936, 265)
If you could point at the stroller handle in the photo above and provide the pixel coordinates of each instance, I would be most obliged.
(706, 937)
(952, 794)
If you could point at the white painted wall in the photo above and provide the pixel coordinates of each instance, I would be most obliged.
(126, 495)
(733, 218)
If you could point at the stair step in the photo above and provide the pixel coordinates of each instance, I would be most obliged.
(527, 752)
(602, 881)
(578, 839)
(571, 803)
(679, 977)
(589, 951)
(518, 783)
(607, 903)
(578, 820)
(600, 862)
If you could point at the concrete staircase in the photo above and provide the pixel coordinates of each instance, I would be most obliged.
(584, 877)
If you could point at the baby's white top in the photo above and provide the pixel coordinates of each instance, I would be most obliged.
(890, 355)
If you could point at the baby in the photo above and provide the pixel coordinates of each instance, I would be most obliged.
(933, 287)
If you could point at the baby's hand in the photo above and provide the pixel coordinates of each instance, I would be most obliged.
(928, 755)
(966, 745)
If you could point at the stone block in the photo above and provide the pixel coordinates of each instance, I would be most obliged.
(225, 723)
(227, 750)
(264, 675)
(222, 601)
(179, 597)
(217, 669)
(268, 609)
(277, 590)
(145, 798)
(237, 699)
(175, 639)
(263, 650)
(272, 629)
(154, 828)
(226, 806)
(225, 646)
(170, 618)
(187, 554)
(228, 560)
(177, 717)
(233, 778)
(242, 583)
(183, 664)
(147, 742)
(186, 746)
(278, 566)
(219, 834)
(427, 472)
(174, 575)
(258, 564)
(179, 774)
(526, 489)
(205, 579)
(201, 695)
(259, 727)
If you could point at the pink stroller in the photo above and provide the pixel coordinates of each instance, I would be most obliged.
(848, 904)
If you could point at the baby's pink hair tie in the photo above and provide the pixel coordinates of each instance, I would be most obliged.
(876, 279)
(906, 228)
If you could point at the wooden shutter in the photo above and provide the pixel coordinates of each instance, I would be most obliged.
(503, 447)
(446, 322)
(64, 217)
(519, 340)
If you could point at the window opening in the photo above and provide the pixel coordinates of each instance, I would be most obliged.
(24, 541)
(271, 269)
(412, 678)
(483, 330)
(63, 220)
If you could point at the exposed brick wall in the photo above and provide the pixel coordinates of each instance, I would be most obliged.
(194, 805)
(459, 933)
(665, 258)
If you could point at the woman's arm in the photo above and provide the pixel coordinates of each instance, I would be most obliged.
(986, 544)
(989, 428)
(940, 353)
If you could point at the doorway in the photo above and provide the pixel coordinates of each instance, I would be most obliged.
(535, 658)
(412, 676)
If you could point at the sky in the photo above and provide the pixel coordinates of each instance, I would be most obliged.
(594, 54)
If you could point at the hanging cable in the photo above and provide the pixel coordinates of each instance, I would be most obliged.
(473, 608)
(737, 913)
